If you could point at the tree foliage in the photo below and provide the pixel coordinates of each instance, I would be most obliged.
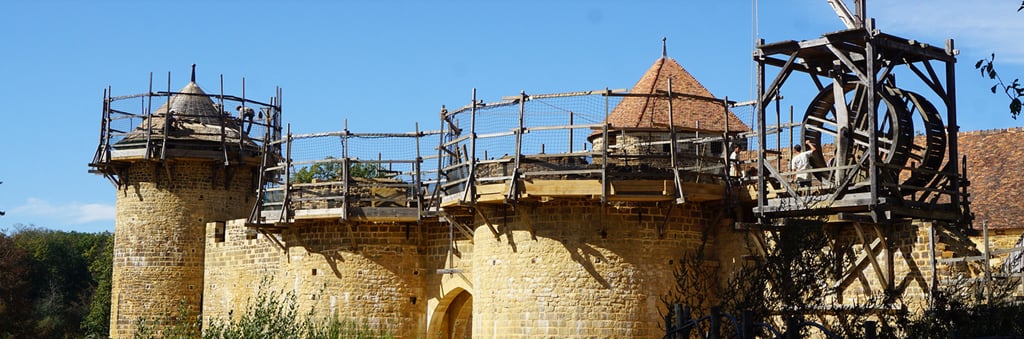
(792, 274)
(330, 169)
(1014, 91)
(270, 314)
(54, 283)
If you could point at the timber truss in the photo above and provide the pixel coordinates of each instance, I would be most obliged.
(895, 150)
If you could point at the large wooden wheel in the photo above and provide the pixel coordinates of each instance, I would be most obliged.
(927, 152)
(851, 135)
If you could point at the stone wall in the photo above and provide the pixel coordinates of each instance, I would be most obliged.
(560, 268)
(568, 269)
(158, 239)
(372, 275)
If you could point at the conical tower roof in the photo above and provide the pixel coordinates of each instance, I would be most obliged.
(191, 104)
(194, 117)
(692, 104)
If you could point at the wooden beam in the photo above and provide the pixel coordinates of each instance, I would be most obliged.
(643, 187)
(492, 193)
(882, 276)
(557, 188)
(487, 222)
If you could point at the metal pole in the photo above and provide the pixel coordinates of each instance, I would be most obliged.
(604, 149)
(167, 120)
(345, 164)
(762, 201)
(440, 157)
(471, 182)
(149, 118)
(792, 127)
(519, 132)
(223, 121)
(241, 119)
(287, 176)
(570, 131)
(417, 179)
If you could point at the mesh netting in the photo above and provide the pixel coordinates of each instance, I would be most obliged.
(138, 118)
(551, 125)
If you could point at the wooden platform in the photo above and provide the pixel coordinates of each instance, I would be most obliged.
(618, 190)
(855, 206)
(358, 214)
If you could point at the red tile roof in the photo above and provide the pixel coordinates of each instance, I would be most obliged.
(695, 106)
(995, 160)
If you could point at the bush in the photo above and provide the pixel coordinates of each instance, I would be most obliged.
(271, 314)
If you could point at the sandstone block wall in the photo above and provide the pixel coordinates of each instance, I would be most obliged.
(372, 275)
(566, 269)
(159, 231)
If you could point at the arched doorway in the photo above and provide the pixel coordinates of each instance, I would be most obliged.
(456, 319)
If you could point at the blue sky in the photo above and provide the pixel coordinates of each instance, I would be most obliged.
(385, 65)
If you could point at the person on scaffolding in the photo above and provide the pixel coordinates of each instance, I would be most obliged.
(801, 162)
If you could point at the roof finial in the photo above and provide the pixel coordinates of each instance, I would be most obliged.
(193, 72)
(664, 49)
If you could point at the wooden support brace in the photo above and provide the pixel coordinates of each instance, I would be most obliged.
(529, 223)
(497, 236)
(759, 244)
(882, 275)
(351, 233)
(664, 223)
(274, 239)
(889, 260)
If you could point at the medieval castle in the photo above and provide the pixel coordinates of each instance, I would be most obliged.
(549, 215)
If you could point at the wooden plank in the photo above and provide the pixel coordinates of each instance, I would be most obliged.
(640, 197)
(318, 213)
(701, 197)
(499, 188)
(644, 187)
(452, 200)
(703, 188)
(383, 214)
(559, 188)
(492, 193)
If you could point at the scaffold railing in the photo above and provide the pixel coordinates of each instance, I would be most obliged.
(348, 175)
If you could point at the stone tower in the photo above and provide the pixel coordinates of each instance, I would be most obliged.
(185, 164)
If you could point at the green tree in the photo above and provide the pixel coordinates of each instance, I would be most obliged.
(16, 266)
(327, 170)
(330, 169)
(101, 261)
(60, 279)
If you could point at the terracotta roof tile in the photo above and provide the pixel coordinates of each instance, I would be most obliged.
(693, 108)
(994, 163)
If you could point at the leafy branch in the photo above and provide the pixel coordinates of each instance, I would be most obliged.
(1014, 91)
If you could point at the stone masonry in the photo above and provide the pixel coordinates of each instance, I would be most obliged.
(158, 241)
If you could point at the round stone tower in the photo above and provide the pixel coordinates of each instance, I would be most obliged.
(185, 164)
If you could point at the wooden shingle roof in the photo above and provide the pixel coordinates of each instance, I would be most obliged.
(195, 117)
(694, 107)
